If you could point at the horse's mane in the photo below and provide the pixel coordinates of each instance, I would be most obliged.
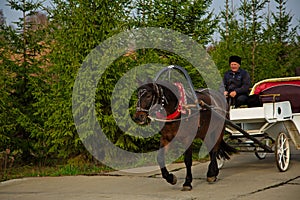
(169, 86)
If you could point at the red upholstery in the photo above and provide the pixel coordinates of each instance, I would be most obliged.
(288, 92)
(288, 89)
(263, 86)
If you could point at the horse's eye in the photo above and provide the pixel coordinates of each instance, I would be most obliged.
(148, 96)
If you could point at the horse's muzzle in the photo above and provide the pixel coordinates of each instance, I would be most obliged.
(141, 117)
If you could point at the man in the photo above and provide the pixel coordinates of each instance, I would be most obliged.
(236, 82)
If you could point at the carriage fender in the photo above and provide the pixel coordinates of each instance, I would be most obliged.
(279, 111)
(292, 127)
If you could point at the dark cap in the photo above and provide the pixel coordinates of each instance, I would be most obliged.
(236, 59)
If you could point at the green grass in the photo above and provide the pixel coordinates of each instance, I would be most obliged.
(62, 170)
(77, 166)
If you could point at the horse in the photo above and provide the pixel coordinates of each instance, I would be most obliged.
(152, 97)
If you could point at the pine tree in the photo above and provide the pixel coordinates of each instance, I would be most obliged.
(285, 37)
(188, 17)
(77, 28)
(252, 28)
(2, 18)
(265, 40)
(20, 65)
(279, 46)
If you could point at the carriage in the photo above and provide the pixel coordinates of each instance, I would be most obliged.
(271, 126)
(265, 127)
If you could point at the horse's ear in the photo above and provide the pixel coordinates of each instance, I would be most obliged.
(150, 81)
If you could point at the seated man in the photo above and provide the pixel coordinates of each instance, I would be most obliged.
(236, 82)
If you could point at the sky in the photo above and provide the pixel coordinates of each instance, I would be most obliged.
(293, 6)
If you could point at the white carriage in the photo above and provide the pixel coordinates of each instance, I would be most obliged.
(273, 125)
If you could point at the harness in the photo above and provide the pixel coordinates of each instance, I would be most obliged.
(160, 98)
(182, 107)
(182, 101)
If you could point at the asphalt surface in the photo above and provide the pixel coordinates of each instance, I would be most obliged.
(244, 177)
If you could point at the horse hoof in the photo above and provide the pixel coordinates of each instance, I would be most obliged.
(211, 179)
(172, 179)
(186, 188)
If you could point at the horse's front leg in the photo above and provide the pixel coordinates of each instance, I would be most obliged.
(170, 178)
(213, 169)
(187, 186)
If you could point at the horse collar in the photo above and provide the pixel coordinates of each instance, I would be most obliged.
(181, 102)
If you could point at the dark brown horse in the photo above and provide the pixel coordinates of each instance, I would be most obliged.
(164, 99)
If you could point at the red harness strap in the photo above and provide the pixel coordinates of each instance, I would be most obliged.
(179, 109)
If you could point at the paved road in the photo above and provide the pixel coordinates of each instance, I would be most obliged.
(244, 177)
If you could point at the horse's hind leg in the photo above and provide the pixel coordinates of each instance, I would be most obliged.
(213, 169)
(188, 163)
(170, 178)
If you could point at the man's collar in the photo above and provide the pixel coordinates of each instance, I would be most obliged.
(238, 71)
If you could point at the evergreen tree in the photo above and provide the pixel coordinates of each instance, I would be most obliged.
(231, 39)
(188, 17)
(2, 18)
(20, 65)
(252, 29)
(77, 28)
(267, 50)
(279, 46)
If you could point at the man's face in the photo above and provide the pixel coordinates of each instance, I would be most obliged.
(234, 66)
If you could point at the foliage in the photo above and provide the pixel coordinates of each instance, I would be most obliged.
(88, 169)
(21, 63)
(40, 60)
(79, 26)
(191, 18)
(267, 43)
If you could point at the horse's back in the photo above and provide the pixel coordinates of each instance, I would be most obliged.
(212, 97)
(210, 123)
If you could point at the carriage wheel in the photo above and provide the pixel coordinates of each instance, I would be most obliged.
(262, 155)
(282, 152)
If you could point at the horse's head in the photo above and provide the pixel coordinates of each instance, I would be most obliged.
(159, 99)
(147, 98)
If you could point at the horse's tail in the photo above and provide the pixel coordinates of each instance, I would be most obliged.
(226, 150)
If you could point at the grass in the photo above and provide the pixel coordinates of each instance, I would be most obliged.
(76, 166)
(62, 170)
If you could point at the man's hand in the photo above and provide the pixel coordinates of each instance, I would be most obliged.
(232, 94)
(226, 94)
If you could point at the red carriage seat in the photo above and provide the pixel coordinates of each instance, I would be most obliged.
(280, 89)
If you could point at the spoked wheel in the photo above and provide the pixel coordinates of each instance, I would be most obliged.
(282, 152)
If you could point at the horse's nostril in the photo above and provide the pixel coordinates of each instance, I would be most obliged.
(140, 118)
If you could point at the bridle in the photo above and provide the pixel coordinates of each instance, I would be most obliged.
(157, 98)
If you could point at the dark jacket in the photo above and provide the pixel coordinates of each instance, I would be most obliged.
(239, 81)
